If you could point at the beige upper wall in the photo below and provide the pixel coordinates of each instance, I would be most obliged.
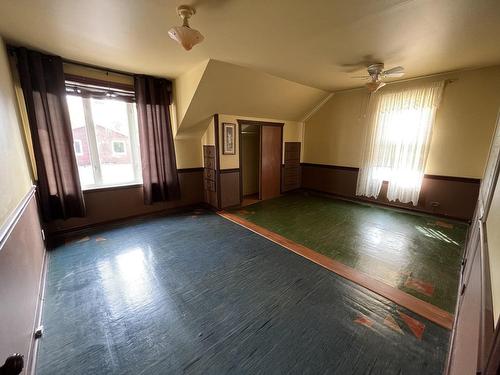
(15, 178)
(100, 74)
(208, 137)
(188, 153)
(461, 136)
(292, 132)
(185, 87)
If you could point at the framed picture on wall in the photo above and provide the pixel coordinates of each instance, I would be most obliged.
(228, 139)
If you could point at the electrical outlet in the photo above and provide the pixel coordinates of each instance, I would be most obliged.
(435, 204)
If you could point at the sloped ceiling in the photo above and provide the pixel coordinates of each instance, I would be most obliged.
(185, 87)
(304, 41)
(232, 89)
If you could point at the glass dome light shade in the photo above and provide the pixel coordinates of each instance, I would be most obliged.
(185, 36)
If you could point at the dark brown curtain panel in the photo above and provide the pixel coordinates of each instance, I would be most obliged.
(42, 81)
(159, 170)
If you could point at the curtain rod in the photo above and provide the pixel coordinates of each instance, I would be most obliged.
(97, 67)
(12, 48)
(108, 70)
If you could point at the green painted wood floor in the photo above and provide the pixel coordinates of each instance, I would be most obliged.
(419, 254)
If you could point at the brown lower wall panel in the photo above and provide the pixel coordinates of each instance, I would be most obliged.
(290, 184)
(114, 204)
(21, 266)
(454, 197)
(229, 188)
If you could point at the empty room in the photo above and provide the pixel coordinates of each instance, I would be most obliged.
(249, 187)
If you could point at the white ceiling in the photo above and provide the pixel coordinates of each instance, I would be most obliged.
(304, 40)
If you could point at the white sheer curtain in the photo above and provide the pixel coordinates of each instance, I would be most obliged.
(399, 132)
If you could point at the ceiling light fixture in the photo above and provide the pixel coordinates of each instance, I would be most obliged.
(185, 35)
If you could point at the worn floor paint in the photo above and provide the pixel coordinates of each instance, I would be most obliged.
(400, 297)
(195, 293)
(419, 254)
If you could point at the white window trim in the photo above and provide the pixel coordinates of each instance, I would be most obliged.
(94, 153)
(80, 147)
(115, 141)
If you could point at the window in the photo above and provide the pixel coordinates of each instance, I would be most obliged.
(106, 141)
(77, 144)
(119, 148)
(400, 125)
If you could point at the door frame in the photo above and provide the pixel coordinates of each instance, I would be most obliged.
(488, 360)
(260, 124)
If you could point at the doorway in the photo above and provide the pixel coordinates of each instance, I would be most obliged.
(260, 160)
(249, 163)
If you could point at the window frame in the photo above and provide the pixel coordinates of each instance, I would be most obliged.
(94, 151)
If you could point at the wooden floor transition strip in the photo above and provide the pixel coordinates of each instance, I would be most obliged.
(422, 308)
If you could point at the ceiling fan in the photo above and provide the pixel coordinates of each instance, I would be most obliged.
(376, 73)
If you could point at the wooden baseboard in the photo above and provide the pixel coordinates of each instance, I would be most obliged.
(422, 308)
(451, 197)
(358, 199)
(56, 236)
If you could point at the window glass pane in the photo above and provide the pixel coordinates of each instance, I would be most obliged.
(118, 147)
(115, 131)
(80, 140)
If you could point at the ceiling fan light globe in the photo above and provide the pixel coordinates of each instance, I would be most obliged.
(185, 36)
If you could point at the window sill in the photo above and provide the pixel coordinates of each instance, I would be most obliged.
(111, 187)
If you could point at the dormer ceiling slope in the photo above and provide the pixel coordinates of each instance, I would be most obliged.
(232, 89)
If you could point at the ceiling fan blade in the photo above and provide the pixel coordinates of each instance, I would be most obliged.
(361, 77)
(356, 66)
(398, 71)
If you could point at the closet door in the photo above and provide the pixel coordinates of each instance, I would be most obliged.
(270, 161)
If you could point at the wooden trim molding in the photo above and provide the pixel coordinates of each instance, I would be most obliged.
(11, 221)
(361, 199)
(422, 308)
(259, 123)
(190, 170)
(98, 82)
(329, 166)
(429, 176)
(217, 159)
(467, 180)
(64, 233)
(230, 170)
